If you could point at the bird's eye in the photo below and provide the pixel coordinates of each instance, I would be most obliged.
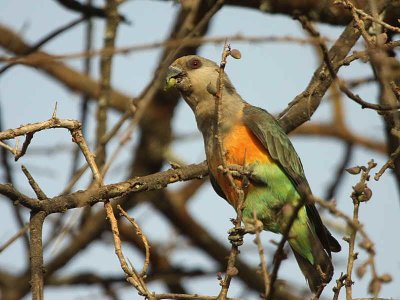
(194, 63)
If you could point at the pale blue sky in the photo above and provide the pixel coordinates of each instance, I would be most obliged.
(268, 75)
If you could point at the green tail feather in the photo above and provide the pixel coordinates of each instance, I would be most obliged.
(319, 270)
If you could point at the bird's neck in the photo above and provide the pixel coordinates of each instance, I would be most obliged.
(231, 108)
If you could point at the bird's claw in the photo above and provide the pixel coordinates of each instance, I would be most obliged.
(236, 235)
(245, 173)
(239, 171)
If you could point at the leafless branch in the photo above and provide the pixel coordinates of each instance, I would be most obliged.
(264, 271)
(15, 237)
(139, 232)
(36, 188)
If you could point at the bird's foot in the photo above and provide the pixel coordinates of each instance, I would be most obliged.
(239, 171)
(245, 173)
(236, 235)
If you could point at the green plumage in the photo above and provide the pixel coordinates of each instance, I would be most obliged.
(269, 201)
(286, 185)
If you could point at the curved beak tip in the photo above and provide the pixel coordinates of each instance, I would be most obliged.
(170, 80)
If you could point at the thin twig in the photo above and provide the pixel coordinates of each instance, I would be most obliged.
(14, 151)
(340, 171)
(364, 104)
(110, 32)
(389, 164)
(132, 276)
(46, 39)
(28, 139)
(145, 241)
(104, 141)
(72, 125)
(263, 263)
(279, 253)
(35, 127)
(85, 97)
(36, 188)
(363, 14)
(15, 237)
(190, 41)
(230, 269)
(340, 282)
(187, 296)
(88, 10)
(360, 193)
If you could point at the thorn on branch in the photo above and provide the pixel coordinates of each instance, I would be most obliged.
(54, 115)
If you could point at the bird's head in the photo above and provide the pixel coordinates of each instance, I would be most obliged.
(191, 72)
(196, 78)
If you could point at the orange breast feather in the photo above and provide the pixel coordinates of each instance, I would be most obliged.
(242, 148)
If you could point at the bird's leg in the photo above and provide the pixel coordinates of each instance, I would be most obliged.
(237, 171)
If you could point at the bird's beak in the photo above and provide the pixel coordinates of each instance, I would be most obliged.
(173, 73)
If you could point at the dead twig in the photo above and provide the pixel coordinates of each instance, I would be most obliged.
(111, 10)
(46, 39)
(264, 271)
(104, 141)
(189, 41)
(36, 188)
(15, 237)
(388, 165)
(187, 296)
(360, 193)
(230, 269)
(72, 125)
(140, 233)
(364, 104)
(279, 255)
(342, 86)
(132, 275)
(349, 5)
(340, 282)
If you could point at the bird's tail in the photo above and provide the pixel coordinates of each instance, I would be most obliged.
(318, 272)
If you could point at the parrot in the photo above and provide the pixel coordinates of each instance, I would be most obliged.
(252, 139)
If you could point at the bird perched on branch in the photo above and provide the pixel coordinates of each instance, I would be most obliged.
(253, 140)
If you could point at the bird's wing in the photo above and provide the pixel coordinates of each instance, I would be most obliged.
(275, 140)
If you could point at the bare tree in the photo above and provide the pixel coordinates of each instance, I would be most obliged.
(109, 119)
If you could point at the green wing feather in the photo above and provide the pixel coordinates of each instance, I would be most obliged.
(275, 140)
